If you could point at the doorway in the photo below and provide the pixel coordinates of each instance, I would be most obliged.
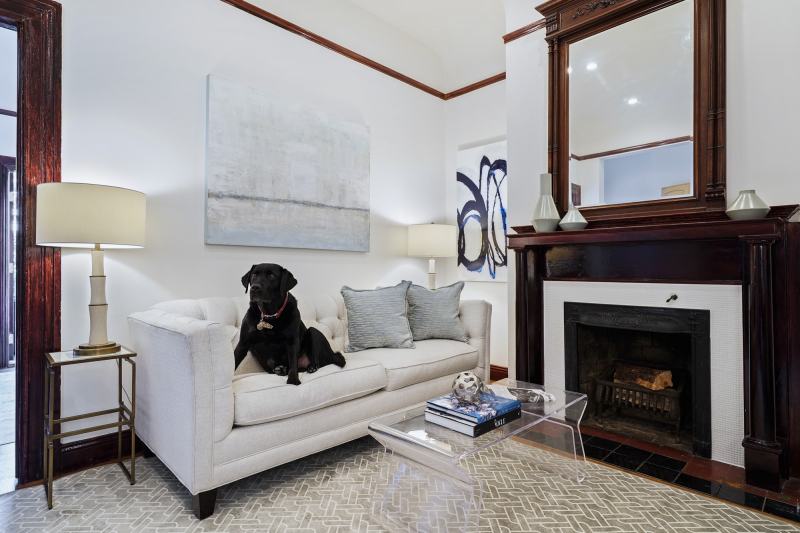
(8, 246)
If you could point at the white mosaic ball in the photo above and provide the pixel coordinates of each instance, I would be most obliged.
(467, 387)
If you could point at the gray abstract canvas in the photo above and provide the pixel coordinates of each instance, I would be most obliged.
(283, 175)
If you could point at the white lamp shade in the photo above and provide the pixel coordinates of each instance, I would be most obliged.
(82, 215)
(432, 240)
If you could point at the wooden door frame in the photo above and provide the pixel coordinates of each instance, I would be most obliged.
(38, 25)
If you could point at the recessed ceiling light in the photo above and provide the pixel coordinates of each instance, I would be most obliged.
(633, 101)
(591, 65)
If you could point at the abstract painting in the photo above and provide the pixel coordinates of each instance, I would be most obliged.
(283, 174)
(481, 216)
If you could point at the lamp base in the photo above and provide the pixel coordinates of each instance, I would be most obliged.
(97, 349)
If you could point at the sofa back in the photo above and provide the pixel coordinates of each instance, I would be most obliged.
(324, 312)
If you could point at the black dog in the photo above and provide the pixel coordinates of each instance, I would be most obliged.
(273, 331)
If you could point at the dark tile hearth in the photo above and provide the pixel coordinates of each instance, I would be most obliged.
(697, 484)
(708, 477)
(634, 453)
(666, 462)
(784, 510)
(658, 472)
(595, 452)
(625, 461)
(740, 497)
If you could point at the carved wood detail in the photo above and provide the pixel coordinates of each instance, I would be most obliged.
(588, 7)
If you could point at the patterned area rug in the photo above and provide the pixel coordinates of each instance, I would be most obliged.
(353, 486)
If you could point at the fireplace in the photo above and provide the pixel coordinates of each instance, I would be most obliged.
(606, 346)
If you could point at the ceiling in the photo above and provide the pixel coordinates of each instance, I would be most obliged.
(466, 35)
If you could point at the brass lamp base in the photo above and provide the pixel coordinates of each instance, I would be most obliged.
(97, 349)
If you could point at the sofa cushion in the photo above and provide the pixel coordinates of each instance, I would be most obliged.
(433, 314)
(262, 397)
(377, 318)
(430, 359)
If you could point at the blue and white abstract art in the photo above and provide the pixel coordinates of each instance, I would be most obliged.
(481, 216)
(281, 174)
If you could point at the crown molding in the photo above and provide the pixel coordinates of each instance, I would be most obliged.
(291, 27)
(536, 25)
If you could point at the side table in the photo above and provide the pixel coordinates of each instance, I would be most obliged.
(125, 416)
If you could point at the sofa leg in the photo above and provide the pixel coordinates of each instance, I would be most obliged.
(203, 503)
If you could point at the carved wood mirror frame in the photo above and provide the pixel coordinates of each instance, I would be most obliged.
(569, 21)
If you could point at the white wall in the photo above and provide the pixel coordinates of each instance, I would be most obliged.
(762, 111)
(526, 101)
(469, 119)
(134, 116)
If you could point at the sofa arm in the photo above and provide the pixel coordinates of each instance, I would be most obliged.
(184, 391)
(476, 315)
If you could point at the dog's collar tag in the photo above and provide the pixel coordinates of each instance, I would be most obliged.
(263, 325)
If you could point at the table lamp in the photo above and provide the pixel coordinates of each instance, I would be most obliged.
(83, 215)
(432, 241)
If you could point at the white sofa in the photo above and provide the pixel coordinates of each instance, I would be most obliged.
(211, 426)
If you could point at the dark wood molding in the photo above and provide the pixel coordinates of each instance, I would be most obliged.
(497, 372)
(569, 21)
(8, 113)
(763, 256)
(38, 25)
(315, 38)
(86, 453)
(525, 30)
(617, 151)
(762, 451)
(475, 86)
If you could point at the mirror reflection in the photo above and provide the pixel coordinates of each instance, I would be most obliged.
(630, 111)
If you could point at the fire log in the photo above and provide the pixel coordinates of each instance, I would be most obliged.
(649, 378)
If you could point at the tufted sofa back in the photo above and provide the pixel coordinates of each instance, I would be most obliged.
(324, 312)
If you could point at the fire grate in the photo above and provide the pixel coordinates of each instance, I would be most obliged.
(633, 400)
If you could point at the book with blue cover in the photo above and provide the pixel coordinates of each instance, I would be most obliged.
(490, 406)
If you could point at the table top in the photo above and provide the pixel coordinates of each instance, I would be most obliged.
(69, 357)
(410, 426)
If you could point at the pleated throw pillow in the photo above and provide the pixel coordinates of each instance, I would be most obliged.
(377, 318)
(433, 314)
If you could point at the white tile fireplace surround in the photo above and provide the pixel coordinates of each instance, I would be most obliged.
(725, 305)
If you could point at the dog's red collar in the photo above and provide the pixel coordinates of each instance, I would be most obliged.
(265, 316)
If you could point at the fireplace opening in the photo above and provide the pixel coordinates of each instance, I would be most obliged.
(645, 370)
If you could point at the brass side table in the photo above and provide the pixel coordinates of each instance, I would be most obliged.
(125, 416)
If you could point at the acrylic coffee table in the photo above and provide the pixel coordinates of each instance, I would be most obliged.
(416, 446)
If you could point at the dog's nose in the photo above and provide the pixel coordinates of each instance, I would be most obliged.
(255, 287)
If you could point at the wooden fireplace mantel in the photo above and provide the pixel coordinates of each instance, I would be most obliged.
(763, 256)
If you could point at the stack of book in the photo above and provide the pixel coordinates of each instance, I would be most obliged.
(473, 420)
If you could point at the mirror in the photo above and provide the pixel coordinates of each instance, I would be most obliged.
(630, 106)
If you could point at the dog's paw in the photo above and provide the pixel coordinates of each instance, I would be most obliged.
(294, 379)
(311, 369)
(281, 370)
(339, 360)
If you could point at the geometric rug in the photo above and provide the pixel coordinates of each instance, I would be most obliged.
(335, 491)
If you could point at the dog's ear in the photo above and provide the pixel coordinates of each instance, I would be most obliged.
(246, 278)
(287, 281)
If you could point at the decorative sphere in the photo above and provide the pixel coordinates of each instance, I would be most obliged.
(467, 388)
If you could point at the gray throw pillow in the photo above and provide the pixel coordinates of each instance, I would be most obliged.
(433, 314)
(377, 318)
